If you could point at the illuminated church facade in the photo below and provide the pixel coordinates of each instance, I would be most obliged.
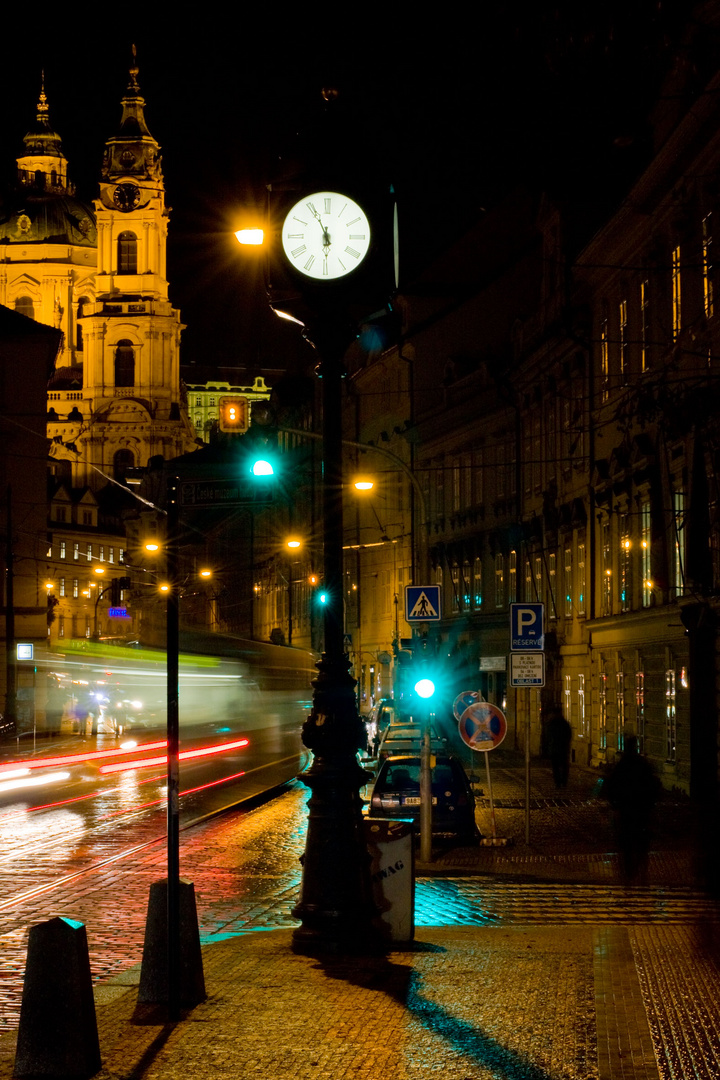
(98, 274)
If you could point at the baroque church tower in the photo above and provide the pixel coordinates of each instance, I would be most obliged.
(130, 331)
(99, 275)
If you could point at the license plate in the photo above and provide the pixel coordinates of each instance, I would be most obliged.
(413, 800)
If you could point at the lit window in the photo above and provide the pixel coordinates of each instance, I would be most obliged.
(127, 246)
(622, 342)
(707, 266)
(644, 325)
(640, 708)
(602, 711)
(477, 584)
(676, 293)
(499, 581)
(61, 590)
(620, 706)
(581, 579)
(75, 590)
(512, 573)
(76, 552)
(604, 360)
(645, 533)
(568, 582)
(670, 715)
(62, 549)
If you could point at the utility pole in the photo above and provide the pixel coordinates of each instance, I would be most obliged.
(11, 653)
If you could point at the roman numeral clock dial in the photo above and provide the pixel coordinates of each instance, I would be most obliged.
(326, 235)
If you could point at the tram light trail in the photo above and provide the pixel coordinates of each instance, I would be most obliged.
(185, 755)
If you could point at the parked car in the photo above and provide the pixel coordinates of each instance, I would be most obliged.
(396, 794)
(382, 714)
(406, 739)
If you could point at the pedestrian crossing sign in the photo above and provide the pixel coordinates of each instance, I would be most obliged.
(422, 603)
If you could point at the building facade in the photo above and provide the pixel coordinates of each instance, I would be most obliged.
(563, 405)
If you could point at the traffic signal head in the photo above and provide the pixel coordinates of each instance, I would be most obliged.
(424, 687)
(233, 414)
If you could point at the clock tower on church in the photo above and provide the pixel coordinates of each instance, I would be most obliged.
(130, 330)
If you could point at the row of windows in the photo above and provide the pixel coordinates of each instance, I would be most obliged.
(626, 326)
(71, 587)
(617, 694)
(89, 552)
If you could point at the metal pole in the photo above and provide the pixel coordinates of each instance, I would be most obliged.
(11, 654)
(493, 826)
(527, 773)
(425, 793)
(173, 765)
(335, 906)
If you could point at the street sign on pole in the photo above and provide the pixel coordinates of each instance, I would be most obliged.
(527, 623)
(207, 493)
(422, 603)
(527, 669)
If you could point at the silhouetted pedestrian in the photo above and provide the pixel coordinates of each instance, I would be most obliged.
(633, 789)
(559, 735)
(54, 706)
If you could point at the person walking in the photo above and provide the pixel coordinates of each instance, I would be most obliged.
(559, 734)
(633, 789)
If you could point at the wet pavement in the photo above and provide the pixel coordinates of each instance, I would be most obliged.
(530, 961)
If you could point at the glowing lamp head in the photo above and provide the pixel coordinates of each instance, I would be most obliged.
(294, 544)
(425, 688)
(99, 570)
(152, 545)
(206, 573)
(363, 483)
(250, 237)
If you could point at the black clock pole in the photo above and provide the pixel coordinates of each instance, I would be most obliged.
(335, 906)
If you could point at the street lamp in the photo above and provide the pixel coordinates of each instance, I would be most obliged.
(292, 544)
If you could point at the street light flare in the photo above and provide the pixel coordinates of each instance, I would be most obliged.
(253, 237)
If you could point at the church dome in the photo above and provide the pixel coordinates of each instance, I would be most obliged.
(46, 217)
(43, 208)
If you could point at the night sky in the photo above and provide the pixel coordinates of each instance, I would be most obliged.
(449, 114)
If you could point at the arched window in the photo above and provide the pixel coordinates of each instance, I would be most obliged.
(122, 461)
(124, 363)
(78, 324)
(39, 178)
(25, 306)
(127, 253)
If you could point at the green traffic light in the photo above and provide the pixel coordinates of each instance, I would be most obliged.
(262, 467)
(323, 598)
(425, 688)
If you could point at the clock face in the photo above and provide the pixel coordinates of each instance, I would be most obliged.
(126, 196)
(326, 235)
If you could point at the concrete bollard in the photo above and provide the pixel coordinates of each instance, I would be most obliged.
(153, 973)
(58, 1034)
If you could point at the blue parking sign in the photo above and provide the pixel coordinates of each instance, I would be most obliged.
(527, 629)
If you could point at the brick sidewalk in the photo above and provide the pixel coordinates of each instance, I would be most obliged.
(522, 1003)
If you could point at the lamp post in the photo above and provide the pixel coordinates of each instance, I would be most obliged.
(293, 544)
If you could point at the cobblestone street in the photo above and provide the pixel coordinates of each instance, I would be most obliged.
(567, 968)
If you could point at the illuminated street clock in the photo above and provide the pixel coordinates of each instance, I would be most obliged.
(326, 235)
(126, 196)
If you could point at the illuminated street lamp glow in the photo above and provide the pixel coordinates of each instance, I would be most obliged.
(152, 545)
(294, 543)
(164, 588)
(425, 688)
(99, 570)
(249, 236)
(363, 483)
(206, 573)
(49, 585)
